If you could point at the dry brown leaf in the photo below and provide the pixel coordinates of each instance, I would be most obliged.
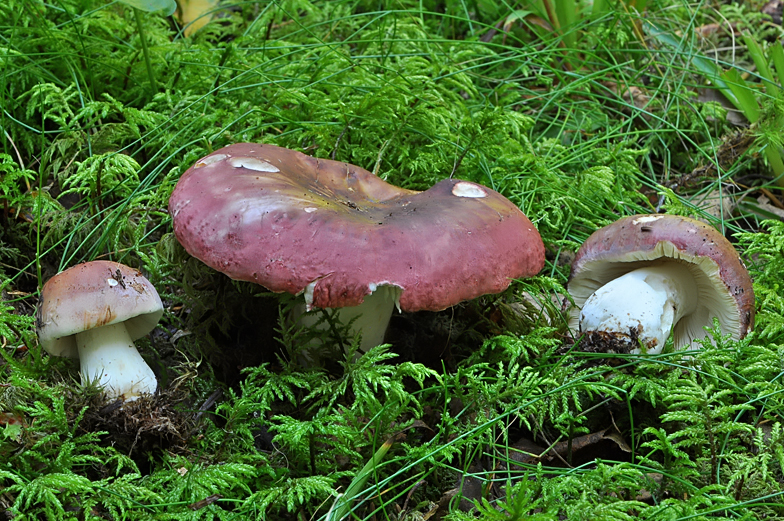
(764, 203)
(527, 452)
(774, 9)
(717, 203)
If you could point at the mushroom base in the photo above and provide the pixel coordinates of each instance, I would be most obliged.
(371, 318)
(107, 355)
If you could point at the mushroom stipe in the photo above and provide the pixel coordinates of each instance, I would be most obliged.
(336, 233)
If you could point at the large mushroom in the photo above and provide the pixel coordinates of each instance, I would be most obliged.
(344, 238)
(94, 311)
(643, 277)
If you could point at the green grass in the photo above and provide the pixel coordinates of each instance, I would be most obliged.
(579, 124)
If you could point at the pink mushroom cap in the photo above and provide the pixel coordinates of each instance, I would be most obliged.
(91, 295)
(294, 223)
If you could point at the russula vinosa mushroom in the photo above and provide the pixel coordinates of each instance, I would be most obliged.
(645, 276)
(344, 238)
(94, 311)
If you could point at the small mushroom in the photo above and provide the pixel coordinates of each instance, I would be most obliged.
(643, 277)
(342, 237)
(94, 311)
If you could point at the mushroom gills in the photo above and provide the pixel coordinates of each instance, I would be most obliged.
(641, 306)
(108, 355)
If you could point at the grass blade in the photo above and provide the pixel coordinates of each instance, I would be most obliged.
(701, 63)
(743, 96)
(761, 62)
(777, 55)
(342, 505)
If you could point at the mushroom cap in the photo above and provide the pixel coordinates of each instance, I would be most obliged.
(91, 295)
(724, 286)
(294, 223)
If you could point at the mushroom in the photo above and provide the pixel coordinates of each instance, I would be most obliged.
(94, 311)
(643, 277)
(344, 238)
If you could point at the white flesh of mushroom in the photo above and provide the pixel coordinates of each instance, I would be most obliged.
(107, 355)
(649, 300)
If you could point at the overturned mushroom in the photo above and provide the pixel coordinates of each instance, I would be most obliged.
(343, 237)
(94, 311)
(643, 277)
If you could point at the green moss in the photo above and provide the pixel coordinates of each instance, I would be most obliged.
(577, 126)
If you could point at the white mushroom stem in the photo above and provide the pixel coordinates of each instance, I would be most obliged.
(107, 355)
(648, 300)
(372, 316)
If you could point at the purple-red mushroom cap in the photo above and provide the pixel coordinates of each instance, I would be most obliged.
(723, 286)
(336, 232)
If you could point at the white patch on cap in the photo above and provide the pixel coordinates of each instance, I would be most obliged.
(647, 219)
(310, 209)
(111, 282)
(209, 160)
(309, 294)
(180, 206)
(251, 163)
(464, 189)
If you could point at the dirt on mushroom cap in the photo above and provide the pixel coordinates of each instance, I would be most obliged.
(91, 295)
(285, 220)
